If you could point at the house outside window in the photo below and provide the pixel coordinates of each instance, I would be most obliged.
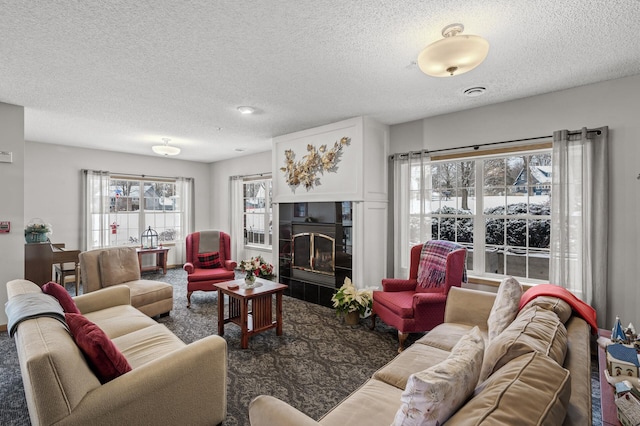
(257, 220)
(499, 207)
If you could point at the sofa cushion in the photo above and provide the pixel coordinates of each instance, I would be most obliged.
(534, 330)
(147, 344)
(530, 390)
(445, 336)
(144, 292)
(118, 266)
(505, 307)
(434, 394)
(210, 260)
(561, 308)
(105, 359)
(63, 297)
(412, 360)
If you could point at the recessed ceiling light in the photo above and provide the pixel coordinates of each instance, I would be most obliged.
(473, 92)
(246, 109)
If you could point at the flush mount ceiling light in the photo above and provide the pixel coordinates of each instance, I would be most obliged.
(246, 109)
(454, 54)
(165, 149)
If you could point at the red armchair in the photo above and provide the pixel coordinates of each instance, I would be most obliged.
(199, 277)
(410, 308)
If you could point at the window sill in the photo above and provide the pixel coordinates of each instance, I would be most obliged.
(259, 248)
(495, 281)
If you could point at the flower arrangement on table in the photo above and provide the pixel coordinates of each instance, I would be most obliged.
(349, 299)
(256, 267)
(36, 231)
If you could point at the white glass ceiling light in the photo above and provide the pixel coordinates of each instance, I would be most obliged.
(166, 149)
(453, 55)
(246, 109)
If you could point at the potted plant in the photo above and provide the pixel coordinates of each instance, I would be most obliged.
(37, 231)
(351, 302)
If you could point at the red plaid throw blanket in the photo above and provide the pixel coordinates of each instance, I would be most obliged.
(433, 263)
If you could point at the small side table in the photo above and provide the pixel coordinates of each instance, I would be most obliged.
(161, 259)
(607, 392)
(260, 318)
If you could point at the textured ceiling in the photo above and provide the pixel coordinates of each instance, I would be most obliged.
(120, 75)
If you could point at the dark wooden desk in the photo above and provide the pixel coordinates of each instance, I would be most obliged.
(607, 392)
(39, 259)
(161, 259)
(260, 318)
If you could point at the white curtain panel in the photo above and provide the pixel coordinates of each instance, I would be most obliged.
(95, 209)
(237, 215)
(185, 191)
(411, 184)
(579, 215)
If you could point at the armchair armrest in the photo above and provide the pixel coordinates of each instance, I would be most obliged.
(267, 410)
(395, 284)
(104, 298)
(230, 265)
(428, 299)
(189, 267)
(163, 391)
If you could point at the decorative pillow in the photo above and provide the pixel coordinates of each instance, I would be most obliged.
(106, 361)
(531, 390)
(210, 260)
(64, 298)
(434, 394)
(555, 304)
(118, 266)
(534, 330)
(505, 307)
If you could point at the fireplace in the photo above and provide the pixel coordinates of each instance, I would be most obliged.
(315, 249)
(314, 252)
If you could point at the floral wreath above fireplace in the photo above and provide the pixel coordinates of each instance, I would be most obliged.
(317, 161)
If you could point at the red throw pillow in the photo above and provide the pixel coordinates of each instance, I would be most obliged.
(210, 260)
(106, 361)
(64, 298)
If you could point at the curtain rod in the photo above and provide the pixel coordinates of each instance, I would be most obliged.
(85, 171)
(477, 146)
(255, 175)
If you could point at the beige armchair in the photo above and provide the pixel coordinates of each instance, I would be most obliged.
(119, 265)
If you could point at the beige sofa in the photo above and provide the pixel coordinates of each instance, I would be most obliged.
(530, 388)
(105, 267)
(170, 382)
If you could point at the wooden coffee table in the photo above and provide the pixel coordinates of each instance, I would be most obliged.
(260, 317)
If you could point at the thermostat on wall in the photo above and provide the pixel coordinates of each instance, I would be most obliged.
(5, 227)
(6, 157)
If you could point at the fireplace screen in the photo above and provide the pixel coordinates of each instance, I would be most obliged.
(314, 252)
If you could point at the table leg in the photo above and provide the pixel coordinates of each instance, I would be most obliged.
(220, 313)
(164, 262)
(244, 320)
(279, 313)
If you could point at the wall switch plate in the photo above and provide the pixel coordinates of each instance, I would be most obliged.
(6, 157)
(5, 227)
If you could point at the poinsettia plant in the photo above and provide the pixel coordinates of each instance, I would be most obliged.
(257, 266)
(349, 299)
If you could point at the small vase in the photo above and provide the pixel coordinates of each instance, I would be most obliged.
(352, 318)
(250, 280)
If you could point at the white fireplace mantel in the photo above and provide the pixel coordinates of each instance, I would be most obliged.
(360, 177)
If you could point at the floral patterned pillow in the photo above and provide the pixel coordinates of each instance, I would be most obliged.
(505, 307)
(434, 394)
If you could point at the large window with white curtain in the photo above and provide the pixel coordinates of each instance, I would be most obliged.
(498, 206)
(257, 212)
(119, 208)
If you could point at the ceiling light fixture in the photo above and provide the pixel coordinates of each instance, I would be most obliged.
(246, 109)
(165, 149)
(454, 54)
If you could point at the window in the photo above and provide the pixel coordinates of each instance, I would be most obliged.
(122, 207)
(257, 212)
(498, 206)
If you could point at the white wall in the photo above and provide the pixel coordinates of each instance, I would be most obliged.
(53, 184)
(12, 204)
(612, 103)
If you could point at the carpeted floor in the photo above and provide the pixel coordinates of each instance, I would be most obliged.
(316, 363)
